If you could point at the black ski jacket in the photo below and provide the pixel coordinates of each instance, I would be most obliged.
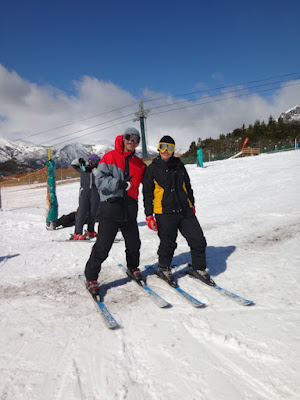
(167, 188)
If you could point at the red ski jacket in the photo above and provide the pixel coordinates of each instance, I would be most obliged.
(111, 170)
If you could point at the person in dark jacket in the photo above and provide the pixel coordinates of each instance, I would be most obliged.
(170, 207)
(88, 196)
(117, 178)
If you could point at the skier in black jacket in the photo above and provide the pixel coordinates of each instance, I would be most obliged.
(169, 196)
(88, 196)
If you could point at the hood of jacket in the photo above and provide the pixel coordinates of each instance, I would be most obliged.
(119, 146)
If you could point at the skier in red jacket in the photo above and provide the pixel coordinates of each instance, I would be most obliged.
(117, 178)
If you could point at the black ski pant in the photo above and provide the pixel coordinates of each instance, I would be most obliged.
(66, 220)
(107, 231)
(88, 206)
(188, 225)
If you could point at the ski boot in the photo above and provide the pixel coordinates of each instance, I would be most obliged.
(50, 226)
(93, 288)
(90, 235)
(203, 276)
(166, 275)
(77, 236)
(135, 274)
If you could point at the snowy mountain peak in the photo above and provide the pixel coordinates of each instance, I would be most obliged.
(292, 115)
(36, 156)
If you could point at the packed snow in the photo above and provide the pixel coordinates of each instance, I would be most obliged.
(54, 344)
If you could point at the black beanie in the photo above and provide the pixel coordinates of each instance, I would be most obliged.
(167, 139)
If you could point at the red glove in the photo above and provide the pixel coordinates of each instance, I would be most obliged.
(151, 223)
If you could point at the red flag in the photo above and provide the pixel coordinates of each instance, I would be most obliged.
(245, 142)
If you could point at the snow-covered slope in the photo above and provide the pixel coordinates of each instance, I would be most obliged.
(54, 345)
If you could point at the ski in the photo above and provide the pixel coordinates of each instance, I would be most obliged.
(235, 297)
(109, 320)
(190, 299)
(159, 301)
(117, 240)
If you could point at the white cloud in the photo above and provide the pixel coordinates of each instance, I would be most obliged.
(27, 108)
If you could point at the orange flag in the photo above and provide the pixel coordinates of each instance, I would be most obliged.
(245, 142)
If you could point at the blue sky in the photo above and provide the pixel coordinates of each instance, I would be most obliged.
(155, 48)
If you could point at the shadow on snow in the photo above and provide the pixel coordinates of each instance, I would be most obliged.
(4, 258)
(216, 261)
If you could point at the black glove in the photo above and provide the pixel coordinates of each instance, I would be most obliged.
(81, 161)
(126, 183)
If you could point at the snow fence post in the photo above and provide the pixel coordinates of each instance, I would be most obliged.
(51, 190)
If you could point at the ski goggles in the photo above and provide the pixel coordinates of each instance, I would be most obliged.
(91, 162)
(132, 138)
(170, 147)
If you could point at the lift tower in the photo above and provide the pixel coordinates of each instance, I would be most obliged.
(140, 116)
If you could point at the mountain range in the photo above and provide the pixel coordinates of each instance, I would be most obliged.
(36, 156)
(19, 157)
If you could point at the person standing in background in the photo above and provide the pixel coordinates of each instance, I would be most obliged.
(88, 197)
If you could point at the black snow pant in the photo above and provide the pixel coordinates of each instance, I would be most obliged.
(111, 219)
(88, 205)
(65, 220)
(188, 225)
